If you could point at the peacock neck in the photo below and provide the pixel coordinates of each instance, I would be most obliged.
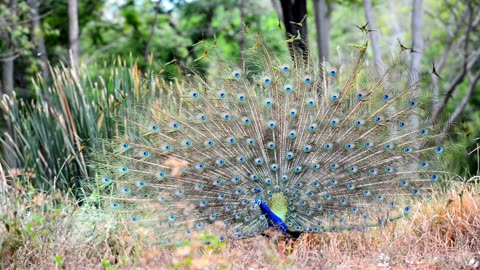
(276, 211)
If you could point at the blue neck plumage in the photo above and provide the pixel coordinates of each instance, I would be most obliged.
(273, 220)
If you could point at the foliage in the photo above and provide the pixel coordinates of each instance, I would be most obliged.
(53, 130)
(55, 17)
(15, 43)
(176, 30)
(14, 31)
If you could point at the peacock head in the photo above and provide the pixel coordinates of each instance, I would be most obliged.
(258, 201)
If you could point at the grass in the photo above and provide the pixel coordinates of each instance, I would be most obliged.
(50, 231)
(54, 130)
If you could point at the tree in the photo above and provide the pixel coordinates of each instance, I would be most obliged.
(294, 13)
(471, 62)
(7, 86)
(417, 39)
(466, 19)
(373, 36)
(73, 31)
(37, 38)
(9, 56)
(156, 11)
(322, 24)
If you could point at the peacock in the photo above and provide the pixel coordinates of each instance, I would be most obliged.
(279, 142)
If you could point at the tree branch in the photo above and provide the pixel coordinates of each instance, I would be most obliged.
(460, 76)
(453, 36)
(152, 30)
(460, 108)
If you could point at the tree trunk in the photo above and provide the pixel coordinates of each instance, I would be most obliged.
(373, 36)
(73, 32)
(8, 89)
(322, 24)
(7, 74)
(37, 37)
(278, 9)
(294, 13)
(395, 26)
(8, 62)
(156, 11)
(417, 40)
(242, 42)
(417, 45)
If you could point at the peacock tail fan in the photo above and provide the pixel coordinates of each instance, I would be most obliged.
(280, 142)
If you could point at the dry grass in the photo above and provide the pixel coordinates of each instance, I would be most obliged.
(50, 232)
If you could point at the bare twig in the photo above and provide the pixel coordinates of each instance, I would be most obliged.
(460, 108)
(453, 35)
(460, 76)
(152, 29)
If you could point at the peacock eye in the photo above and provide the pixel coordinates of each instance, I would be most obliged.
(236, 74)
(293, 112)
(194, 94)
(267, 80)
(268, 102)
(221, 94)
(288, 88)
(307, 79)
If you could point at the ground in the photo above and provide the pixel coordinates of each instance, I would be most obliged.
(39, 231)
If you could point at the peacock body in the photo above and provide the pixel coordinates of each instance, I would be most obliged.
(297, 146)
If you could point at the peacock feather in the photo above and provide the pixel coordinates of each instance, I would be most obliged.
(280, 142)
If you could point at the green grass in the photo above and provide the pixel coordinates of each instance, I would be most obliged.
(54, 132)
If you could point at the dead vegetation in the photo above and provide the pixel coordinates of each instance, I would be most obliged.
(40, 231)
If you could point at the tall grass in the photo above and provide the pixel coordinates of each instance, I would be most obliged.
(65, 117)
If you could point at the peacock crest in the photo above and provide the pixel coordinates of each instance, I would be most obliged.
(277, 142)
